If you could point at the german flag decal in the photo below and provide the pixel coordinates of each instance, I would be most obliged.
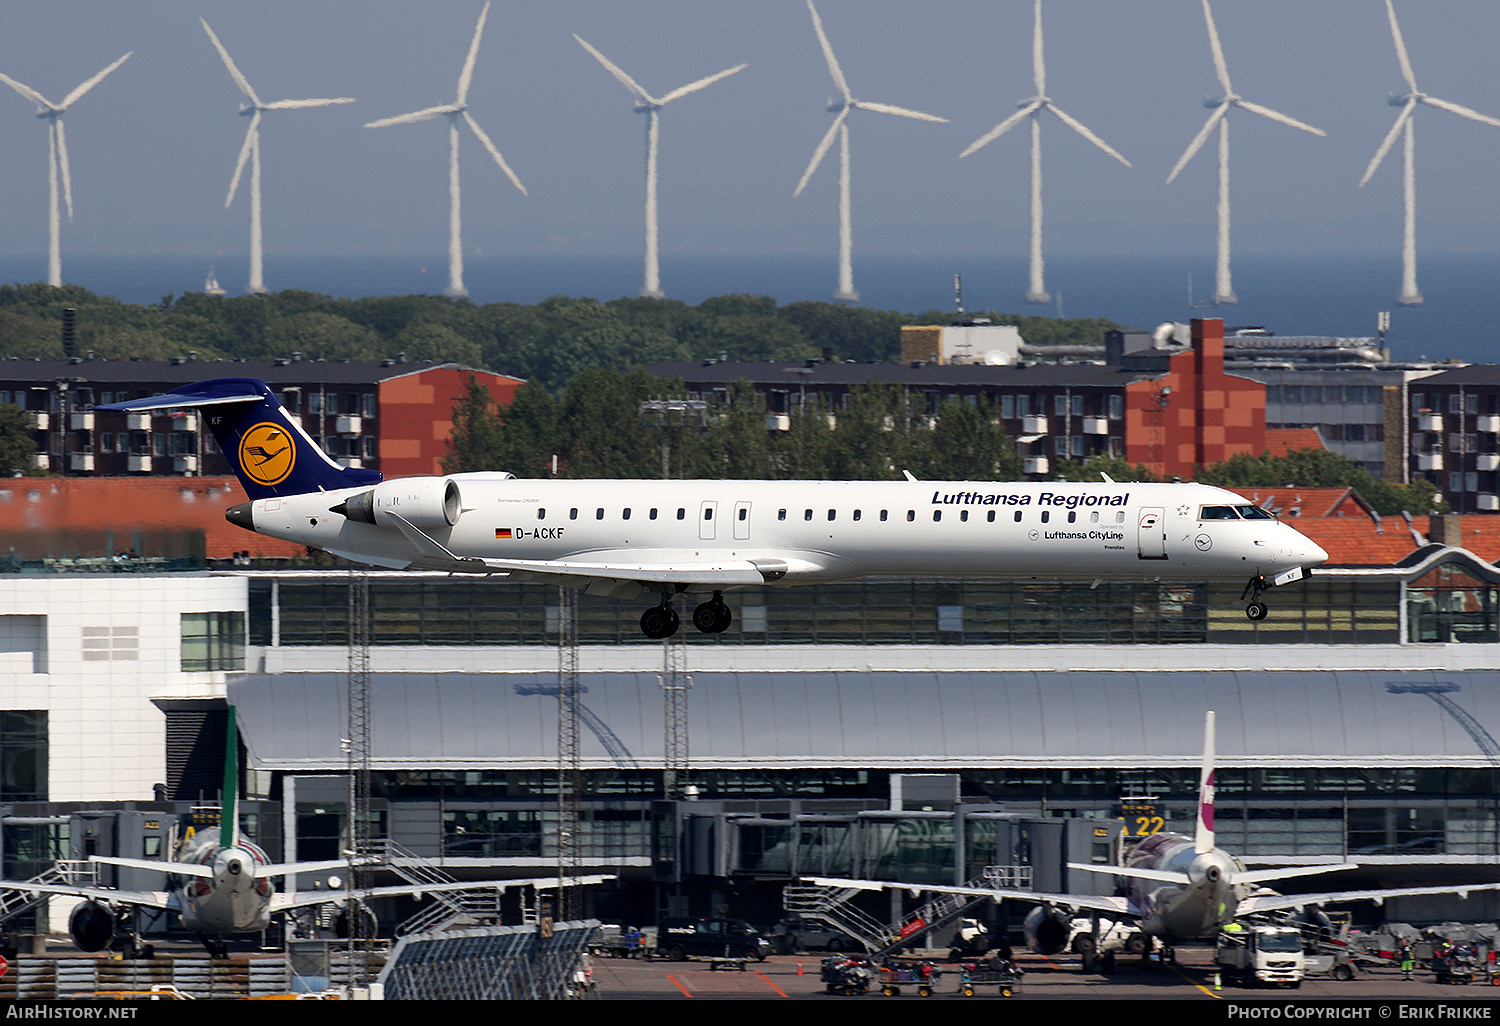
(502, 532)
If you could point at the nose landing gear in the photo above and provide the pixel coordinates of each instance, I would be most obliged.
(1256, 610)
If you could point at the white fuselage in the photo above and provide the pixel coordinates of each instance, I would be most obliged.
(825, 531)
(233, 900)
(1183, 911)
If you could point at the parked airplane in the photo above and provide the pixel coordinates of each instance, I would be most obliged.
(1180, 888)
(220, 884)
(622, 538)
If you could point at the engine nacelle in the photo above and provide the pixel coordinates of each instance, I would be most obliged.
(92, 926)
(1047, 930)
(427, 502)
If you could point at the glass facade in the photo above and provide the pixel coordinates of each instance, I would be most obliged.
(23, 756)
(1321, 610)
(213, 641)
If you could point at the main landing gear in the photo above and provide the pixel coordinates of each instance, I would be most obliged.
(662, 621)
(1256, 610)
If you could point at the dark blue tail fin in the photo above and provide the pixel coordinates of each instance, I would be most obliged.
(269, 451)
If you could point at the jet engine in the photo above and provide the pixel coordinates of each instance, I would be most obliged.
(92, 926)
(427, 502)
(1047, 930)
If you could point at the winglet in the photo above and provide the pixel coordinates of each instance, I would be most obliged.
(1203, 840)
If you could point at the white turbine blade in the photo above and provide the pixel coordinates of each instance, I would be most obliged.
(86, 86)
(1079, 127)
(28, 92)
(702, 83)
(467, 74)
(822, 150)
(837, 72)
(306, 104)
(239, 166)
(624, 79)
(1038, 62)
(1464, 112)
(1220, 67)
(474, 126)
(1406, 72)
(62, 165)
(900, 112)
(414, 116)
(1267, 112)
(1199, 139)
(1390, 139)
(234, 72)
(1000, 129)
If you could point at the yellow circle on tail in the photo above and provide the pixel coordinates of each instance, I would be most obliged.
(267, 453)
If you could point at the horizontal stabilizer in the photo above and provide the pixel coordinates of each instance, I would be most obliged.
(1165, 876)
(175, 400)
(1258, 876)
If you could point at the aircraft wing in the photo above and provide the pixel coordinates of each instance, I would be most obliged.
(302, 899)
(107, 895)
(1118, 907)
(725, 573)
(1281, 902)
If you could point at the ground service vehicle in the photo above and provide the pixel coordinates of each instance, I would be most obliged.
(1261, 954)
(680, 937)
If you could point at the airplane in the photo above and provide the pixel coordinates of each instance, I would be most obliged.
(622, 538)
(1181, 888)
(221, 884)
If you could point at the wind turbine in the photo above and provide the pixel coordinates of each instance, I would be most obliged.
(650, 106)
(457, 111)
(1409, 295)
(250, 151)
(1033, 109)
(57, 160)
(840, 128)
(1223, 289)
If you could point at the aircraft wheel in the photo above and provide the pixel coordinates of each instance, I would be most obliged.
(1088, 961)
(1256, 611)
(706, 617)
(659, 622)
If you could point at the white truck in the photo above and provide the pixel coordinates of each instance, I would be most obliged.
(1270, 955)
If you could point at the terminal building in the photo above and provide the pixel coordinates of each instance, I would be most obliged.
(916, 731)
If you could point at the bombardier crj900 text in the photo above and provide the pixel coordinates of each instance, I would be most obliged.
(623, 538)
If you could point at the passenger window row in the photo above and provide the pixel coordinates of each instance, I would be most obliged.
(911, 514)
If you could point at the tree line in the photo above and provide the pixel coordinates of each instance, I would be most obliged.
(550, 342)
(594, 428)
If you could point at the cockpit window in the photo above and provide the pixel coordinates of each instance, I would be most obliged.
(1218, 513)
(1254, 513)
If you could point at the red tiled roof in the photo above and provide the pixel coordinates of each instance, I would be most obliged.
(1309, 502)
(1280, 441)
(1358, 541)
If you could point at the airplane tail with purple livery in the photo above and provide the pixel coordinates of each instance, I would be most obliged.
(269, 451)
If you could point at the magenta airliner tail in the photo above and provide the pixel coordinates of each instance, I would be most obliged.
(1203, 839)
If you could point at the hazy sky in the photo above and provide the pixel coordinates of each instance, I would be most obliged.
(154, 145)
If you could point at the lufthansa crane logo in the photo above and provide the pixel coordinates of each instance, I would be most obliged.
(267, 454)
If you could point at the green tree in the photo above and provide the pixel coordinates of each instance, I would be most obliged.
(478, 438)
(17, 441)
(1095, 467)
(531, 431)
(1319, 468)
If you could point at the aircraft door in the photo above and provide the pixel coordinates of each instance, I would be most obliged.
(742, 521)
(706, 514)
(1151, 533)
